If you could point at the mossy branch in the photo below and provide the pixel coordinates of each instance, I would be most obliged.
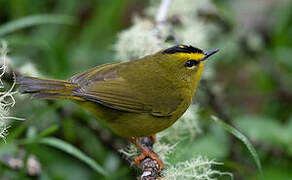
(149, 166)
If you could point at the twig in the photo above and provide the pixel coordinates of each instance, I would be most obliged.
(149, 166)
(162, 12)
(161, 18)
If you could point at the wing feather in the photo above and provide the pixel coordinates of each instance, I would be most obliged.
(103, 85)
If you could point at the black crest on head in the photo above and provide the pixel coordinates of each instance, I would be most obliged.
(182, 49)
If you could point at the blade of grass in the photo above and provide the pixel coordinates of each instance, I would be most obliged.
(49, 131)
(35, 20)
(243, 138)
(64, 146)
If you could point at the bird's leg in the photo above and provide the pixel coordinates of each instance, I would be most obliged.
(153, 137)
(146, 152)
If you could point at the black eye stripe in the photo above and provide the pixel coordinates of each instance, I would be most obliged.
(191, 63)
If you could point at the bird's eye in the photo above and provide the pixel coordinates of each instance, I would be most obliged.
(191, 63)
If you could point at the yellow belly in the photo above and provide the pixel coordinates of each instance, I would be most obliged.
(128, 124)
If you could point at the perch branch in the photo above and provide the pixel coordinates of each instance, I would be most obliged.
(148, 166)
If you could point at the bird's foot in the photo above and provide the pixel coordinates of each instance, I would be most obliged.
(148, 153)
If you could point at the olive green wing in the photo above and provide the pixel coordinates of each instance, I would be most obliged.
(105, 86)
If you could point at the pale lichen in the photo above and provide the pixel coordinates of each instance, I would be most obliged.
(139, 40)
(29, 69)
(130, 152)
(198, 168)
(6, 96)
(187, 127)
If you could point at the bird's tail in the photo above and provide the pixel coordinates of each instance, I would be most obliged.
(47, 88)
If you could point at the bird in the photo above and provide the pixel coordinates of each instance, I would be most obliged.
(137, 98)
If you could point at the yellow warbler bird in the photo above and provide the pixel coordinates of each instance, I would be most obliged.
(136, 98)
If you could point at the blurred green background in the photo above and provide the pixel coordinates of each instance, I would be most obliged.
(252, 88)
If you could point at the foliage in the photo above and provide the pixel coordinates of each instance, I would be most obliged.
(241, 137)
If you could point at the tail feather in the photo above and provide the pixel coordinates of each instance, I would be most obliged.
(46, 88)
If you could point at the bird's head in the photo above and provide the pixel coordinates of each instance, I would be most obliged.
(184, 62)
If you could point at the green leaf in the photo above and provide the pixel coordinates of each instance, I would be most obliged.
(244, 139)
(35, 20)
(49, 131)
(64, 146)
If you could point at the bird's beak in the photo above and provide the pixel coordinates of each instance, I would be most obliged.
(209, 53)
